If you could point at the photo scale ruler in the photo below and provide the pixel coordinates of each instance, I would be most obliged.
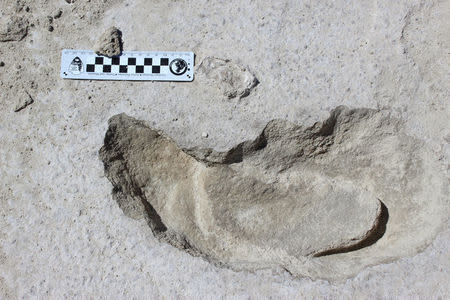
(131, 65)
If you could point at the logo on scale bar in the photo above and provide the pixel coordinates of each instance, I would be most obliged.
(76, 66)
(178, 66)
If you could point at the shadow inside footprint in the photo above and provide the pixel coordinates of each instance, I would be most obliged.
(371, 239)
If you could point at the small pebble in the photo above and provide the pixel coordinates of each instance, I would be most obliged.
(50, 28)
(2, 64)
(205, 135)
(58, 14)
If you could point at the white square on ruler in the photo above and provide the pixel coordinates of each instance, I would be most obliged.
(139, 61)
(147, 69)
(164, 70)
(90, 60)
(124, 60)
(114, 69)
(98, 69)
(131, 69)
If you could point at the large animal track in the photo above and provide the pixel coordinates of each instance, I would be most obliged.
(324, 201)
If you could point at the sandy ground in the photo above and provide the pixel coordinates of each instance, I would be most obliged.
(61, 233)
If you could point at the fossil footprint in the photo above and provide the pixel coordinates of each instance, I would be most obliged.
(232, 79)
(322, 201)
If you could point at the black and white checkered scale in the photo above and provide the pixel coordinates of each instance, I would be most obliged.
(128, 65)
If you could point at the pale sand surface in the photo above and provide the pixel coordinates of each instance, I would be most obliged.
(61, 233)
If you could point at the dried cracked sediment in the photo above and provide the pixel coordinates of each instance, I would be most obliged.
(110, 43)
(323, 201)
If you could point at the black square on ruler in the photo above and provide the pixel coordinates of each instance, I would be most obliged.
(107, 69)
(164, 61)
(115, 61)
(123, 69)
(155, 69)
(90, 68)
(148, 61)
(132, 61)
(99, 60)
(139, 69)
